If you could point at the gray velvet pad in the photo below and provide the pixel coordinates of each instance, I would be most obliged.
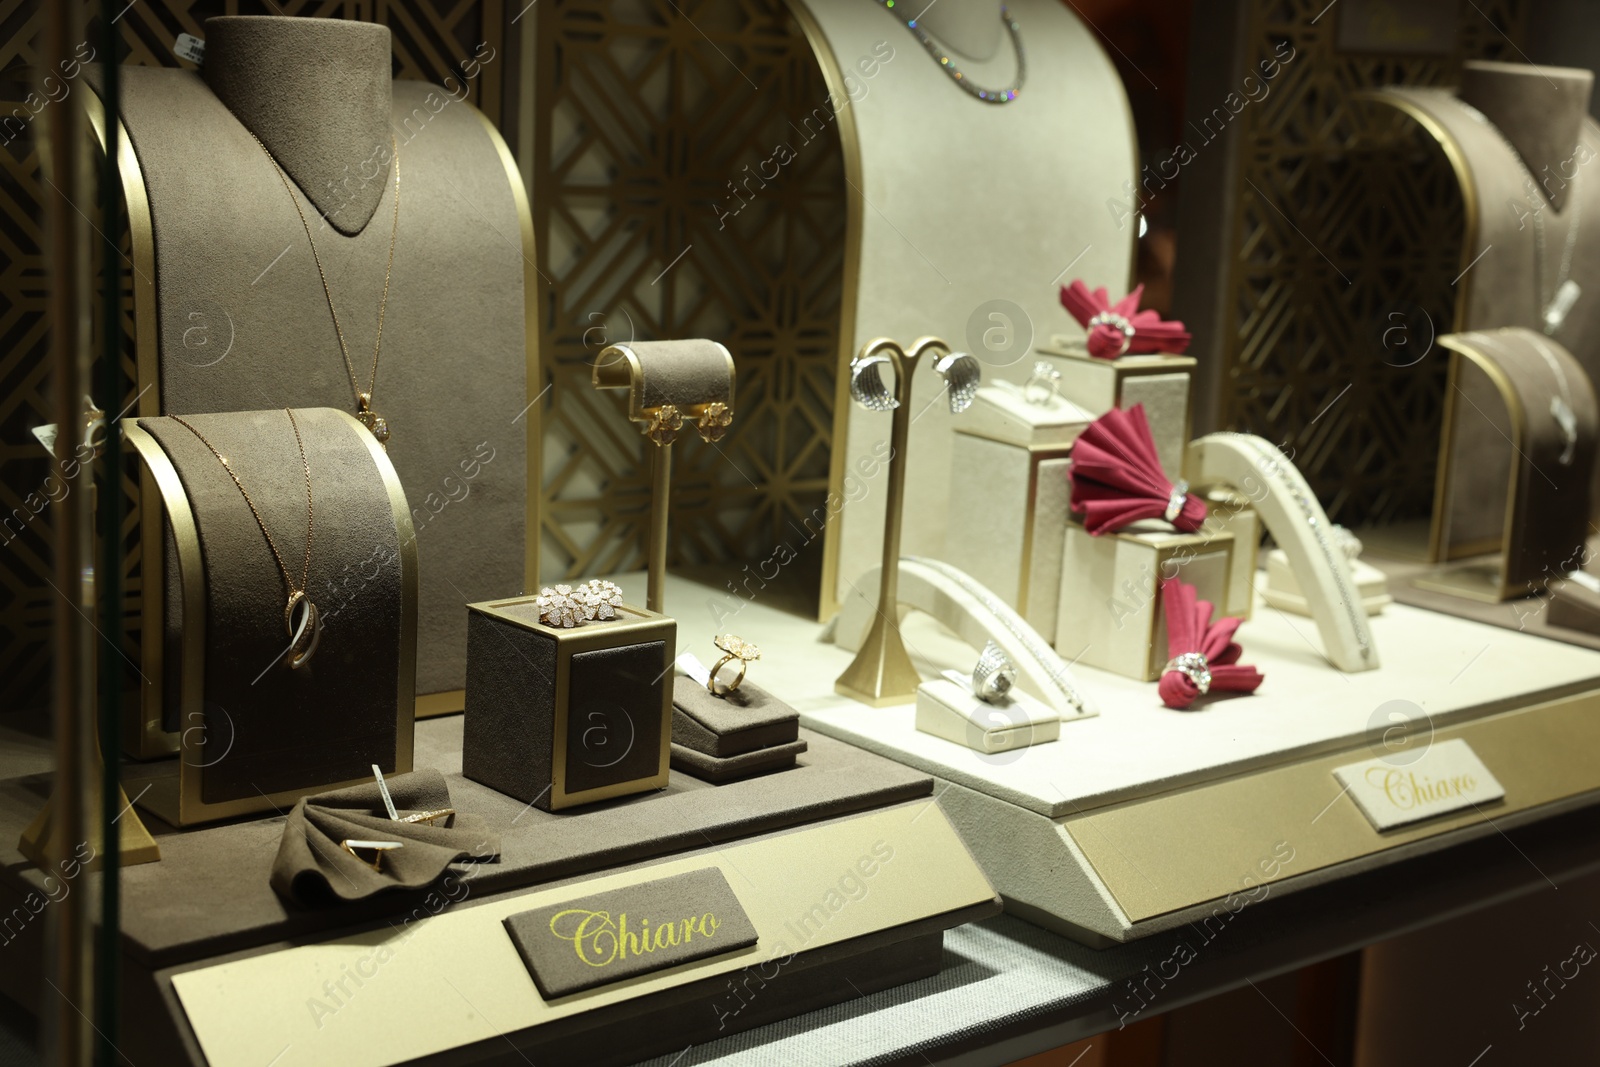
(745, 720)
(732, 768)
(210, 893)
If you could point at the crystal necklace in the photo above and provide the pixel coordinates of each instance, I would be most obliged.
(300, 617)
(942, 57)
(1553, 304)
(377, 424)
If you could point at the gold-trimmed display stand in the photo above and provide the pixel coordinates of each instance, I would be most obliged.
(142, 734)
(815, 942)
(178, 797)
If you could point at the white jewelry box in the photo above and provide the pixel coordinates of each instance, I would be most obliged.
(1110, 608)
(1010, 494)
(1160, 382)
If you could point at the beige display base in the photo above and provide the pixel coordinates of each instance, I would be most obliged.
(925, 256)
(455, 980)
(1142, 818)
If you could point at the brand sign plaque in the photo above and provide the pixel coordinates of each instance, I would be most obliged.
(622, 933)
(1448, 777)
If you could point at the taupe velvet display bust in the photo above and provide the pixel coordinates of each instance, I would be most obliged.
(244, 322)
(1527, 157)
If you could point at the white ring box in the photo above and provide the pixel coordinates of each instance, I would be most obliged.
(1008, 471)
(947, 709)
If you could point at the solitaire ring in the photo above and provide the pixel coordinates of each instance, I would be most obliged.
(733, 649)
(1043, 385)
(993, 676)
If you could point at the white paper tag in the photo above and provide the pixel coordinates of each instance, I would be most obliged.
(190, 47)
(690, 665)
(1448, 777)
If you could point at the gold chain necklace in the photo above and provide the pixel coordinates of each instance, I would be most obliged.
(300, 615)
(374, 422)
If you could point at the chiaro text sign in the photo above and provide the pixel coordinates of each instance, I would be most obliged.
(1448, 777)
(606, 937)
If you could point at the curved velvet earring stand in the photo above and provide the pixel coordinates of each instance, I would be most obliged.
(229, 313)
(953, 203)
(1294, 517)
(1527, 502)
(958, 601)
(670, 384)
(256, 734)
(1506, 121)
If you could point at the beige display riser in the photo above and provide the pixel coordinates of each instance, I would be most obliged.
(1143, 818)
(452, 987)
(1192, 857)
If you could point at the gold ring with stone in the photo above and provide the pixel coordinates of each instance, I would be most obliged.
(733, 648)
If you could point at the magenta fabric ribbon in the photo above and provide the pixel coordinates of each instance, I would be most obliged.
(1117, 477)
(1191, 631)
(1147, 332)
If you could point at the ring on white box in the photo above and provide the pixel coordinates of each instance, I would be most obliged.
(1043, 385)
(993, 676)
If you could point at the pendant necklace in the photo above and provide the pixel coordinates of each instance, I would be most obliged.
(1550, 305)
(300, 617)
(375, 423)
(946, 64)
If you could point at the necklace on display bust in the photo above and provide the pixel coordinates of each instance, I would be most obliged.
(377, 424)
(942, 57)
(1552, 305)
(300, 617)
(1561, 410)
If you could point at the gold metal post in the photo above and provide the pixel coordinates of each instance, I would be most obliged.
(660, 493)
(882, 673)
(66, 1031)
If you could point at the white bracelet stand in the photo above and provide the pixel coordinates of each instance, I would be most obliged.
(978, 616)
(1295, 519)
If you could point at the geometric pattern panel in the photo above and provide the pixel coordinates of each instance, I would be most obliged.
(431, 38)
(1347, 247)
(679, 192)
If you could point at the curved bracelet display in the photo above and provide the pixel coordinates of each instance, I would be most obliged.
(1291, 513)
(969, 608)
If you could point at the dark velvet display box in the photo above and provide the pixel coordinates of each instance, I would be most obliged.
(559, 717)
(738, 734)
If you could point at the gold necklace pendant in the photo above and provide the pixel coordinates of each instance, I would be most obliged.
(375, 423)
(304, 624)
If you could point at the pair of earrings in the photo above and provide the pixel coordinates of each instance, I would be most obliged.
(711, 422)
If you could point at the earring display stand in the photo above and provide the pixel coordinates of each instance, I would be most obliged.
(668, 382)
(882, 672)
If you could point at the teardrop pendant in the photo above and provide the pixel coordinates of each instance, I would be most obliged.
(304, 624)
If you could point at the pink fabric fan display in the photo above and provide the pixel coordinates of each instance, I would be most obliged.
(1117, 477)
(1202, 656)
(1121, 329)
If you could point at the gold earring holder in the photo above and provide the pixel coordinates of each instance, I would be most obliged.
(619, 367)
(882, 672)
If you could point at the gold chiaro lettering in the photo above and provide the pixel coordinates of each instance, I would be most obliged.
(1406, 791)
(599, 940)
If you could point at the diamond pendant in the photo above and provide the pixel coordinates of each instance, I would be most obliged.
(304, 624)
(376, 424)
